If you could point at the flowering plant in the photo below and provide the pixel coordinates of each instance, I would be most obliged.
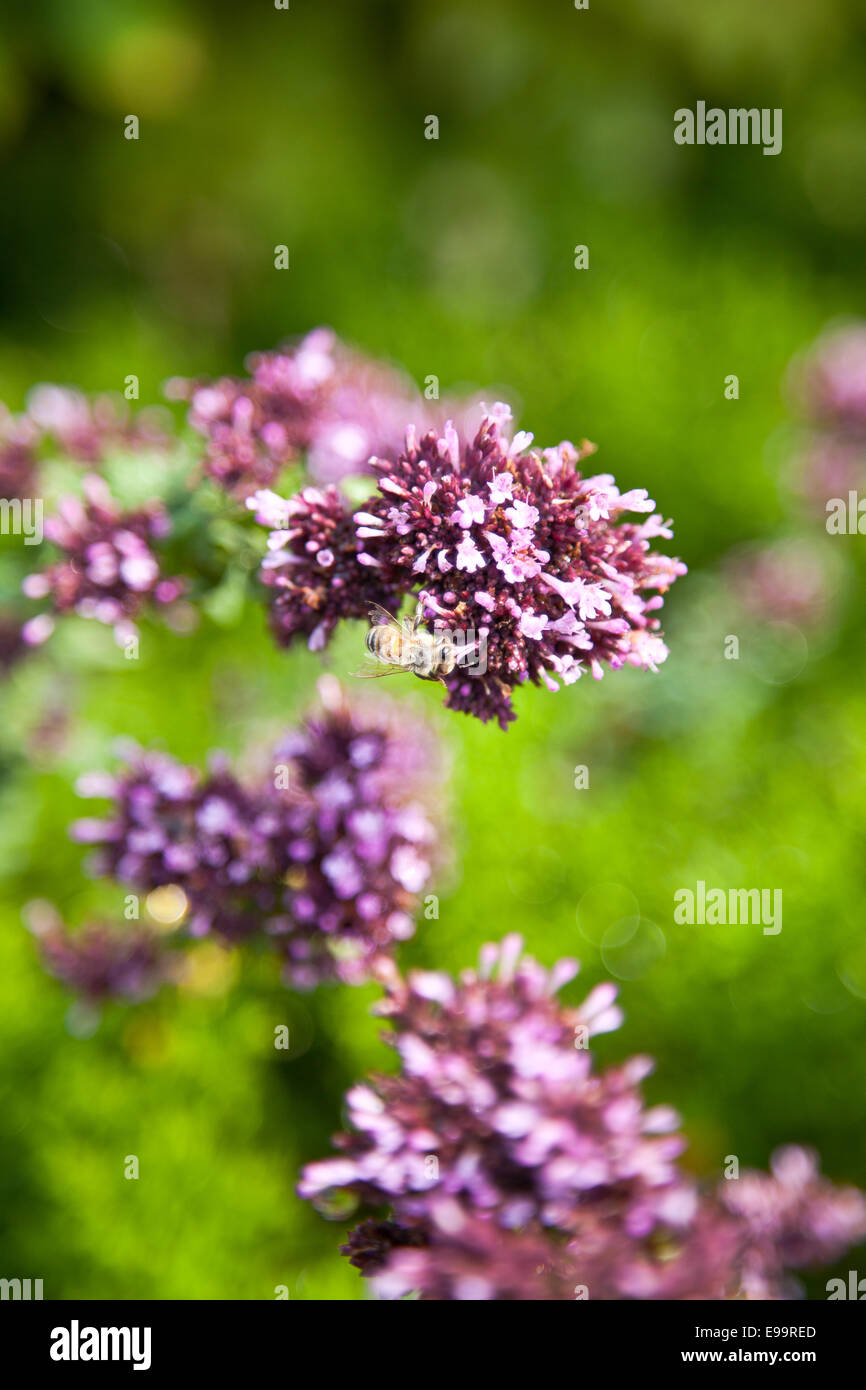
(497, 1161)
(324, 859)
(510, 545)
(511, 1168)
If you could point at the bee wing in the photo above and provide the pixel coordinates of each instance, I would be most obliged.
(380, 615)
(372, 670)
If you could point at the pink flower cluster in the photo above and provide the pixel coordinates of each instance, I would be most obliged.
(107, 568)
(513, 1169)
(832, 379)
(324, 858)
(318, 398)
(75, 426)
(101, 962)
(18, 439)
(87, 430)
(829, 388)
(790, 580)
(511, 546)
(314, 565)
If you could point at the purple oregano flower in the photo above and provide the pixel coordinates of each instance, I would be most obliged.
(107, 568)
(516, 547)
(326, 857)
(18, 439)
(784, 581)
(794, 1219)
(512, 1169)
(104, 962)
(831, 379)
(828, 387)
(86, 429)
(315, 565)
(318, 398)
(511, 547)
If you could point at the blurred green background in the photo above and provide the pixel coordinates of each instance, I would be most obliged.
(454, 257)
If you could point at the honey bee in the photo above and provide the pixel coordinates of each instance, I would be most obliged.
(404, 645)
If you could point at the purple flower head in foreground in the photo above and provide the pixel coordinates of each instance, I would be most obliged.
(325, 858)
(107, 568)
(517, 550)
(463, 1258)
(317, 397)
(87, 429)
(316, 566)
(496, 1104)
(512, 1169)
(100, 962)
